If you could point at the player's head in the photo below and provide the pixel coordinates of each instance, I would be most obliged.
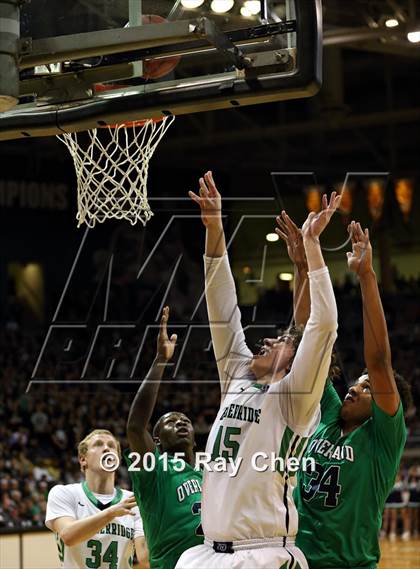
(174, 432)
(357, 404)
(277, 354)
(96, 444)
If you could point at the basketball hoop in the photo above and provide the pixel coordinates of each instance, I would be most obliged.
(112, 166)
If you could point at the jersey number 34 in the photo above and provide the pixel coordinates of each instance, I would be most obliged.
(323, 481)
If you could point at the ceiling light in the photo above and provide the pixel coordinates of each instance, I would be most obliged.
(254, 6)
(391, 23)
(222, 6)
(272, 237)
(245, 12)
(414, 37)
(286, 276)
(191, 4)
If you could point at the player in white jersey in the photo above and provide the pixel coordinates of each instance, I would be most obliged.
(270, 405)
(96, 525)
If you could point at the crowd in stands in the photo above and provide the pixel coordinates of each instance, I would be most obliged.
(401, 516)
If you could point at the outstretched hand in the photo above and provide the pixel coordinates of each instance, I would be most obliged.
(292, 236)
(360, 258)
(165, 345)
(209, 200)
(124, 508)
(317, 222)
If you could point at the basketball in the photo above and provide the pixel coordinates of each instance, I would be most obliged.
(157, 68)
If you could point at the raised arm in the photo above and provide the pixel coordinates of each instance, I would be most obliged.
(139, 438)
(292, 236)
(222, 305)
(210, 202)
(376, 342)
(305, 383)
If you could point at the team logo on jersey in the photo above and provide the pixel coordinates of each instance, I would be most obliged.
(118, 529)
(242, 413)
(188, 488)
(331, 451)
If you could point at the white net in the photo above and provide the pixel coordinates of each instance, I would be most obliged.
(112, 166)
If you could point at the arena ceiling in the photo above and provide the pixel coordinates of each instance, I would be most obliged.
(366, 116)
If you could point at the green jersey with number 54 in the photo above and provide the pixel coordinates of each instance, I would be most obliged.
(340, 503)
(168, 492)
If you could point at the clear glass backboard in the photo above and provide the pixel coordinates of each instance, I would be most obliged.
(91, 62)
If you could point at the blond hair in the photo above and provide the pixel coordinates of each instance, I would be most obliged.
(82, 447)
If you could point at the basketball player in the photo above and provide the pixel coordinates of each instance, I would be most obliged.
(96, 525)
(169, 494)
(270, 404)
(358, 444)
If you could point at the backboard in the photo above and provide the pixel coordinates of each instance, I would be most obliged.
(154, 57)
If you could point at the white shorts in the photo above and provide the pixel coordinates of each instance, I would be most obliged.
(257, 557)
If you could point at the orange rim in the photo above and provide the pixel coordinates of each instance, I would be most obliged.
(126, 124)
(132, 124)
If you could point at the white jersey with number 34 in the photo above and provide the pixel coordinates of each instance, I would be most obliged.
(112, 547)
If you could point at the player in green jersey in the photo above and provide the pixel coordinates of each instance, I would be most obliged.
(358, 444)
(166, 485)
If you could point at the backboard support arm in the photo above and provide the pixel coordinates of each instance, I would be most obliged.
(72, 84)
(152, 37)
(105, 42)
